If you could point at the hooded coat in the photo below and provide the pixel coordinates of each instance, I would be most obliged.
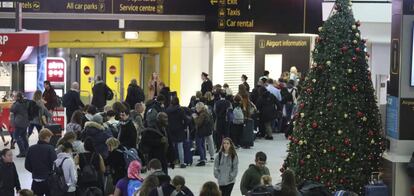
(267, 105)
(251, 178)
(69, 170)
(9, 179)
(204, 124)
(176, 123)
(99, 135)
(135, 95)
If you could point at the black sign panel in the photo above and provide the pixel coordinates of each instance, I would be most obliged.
(281, 16)
(179, 7)
(295, 51)
(406, 119)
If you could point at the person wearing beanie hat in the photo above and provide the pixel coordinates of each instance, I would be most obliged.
(130, 184)
(99, 134)
(68, 166)
(207, 85)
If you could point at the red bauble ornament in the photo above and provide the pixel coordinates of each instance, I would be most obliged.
(343, 155)
(344, 49)
(302, 162)
(360, 114)
(358, 50)
(309, 90)
(370, 133)
(332, 148)
(302, 105)
(354, 88)
(296, 141)
(358, 23)
(317, 178)
(290, 138)
(323, 170)
(314, 125)
(354, 59)
(370, 157)
(282, 170)
(347, 141)
(342, 181)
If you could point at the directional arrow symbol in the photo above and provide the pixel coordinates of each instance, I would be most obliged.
(213, 2)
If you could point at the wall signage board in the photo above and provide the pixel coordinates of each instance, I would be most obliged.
(281, 16)
(392, 117)
(55, 69)
(294, 51)
(406, 119)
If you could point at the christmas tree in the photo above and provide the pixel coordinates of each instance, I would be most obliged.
(337, 137)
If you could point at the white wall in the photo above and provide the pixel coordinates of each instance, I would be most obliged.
(194, 60)
(217, 39)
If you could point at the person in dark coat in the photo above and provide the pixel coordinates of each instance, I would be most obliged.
(19, 119)
(72, 101)
(176, 128)
(156, 105)
(39, 161)
(204, 129)
(115, 160)
(9, 179)
(207, 84)
(128, 132)
(49, 95)
(101, 93)
(165, 91)
(95, 130)
(267, 104)
(176, 187)
(221, 108)
(135, 94)
(244, 80)
(154, 141)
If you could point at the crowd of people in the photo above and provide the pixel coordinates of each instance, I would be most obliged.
(105, 149)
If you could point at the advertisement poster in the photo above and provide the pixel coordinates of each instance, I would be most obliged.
(392, 117)
(55, 69)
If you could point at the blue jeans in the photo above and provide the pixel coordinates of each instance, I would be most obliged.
(201, 146)
(179, 147)
(32, 126)
(20, 134)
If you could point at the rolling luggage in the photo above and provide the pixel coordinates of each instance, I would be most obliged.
(188, 153)
(376, 187)
(56, 129)
(247, 138)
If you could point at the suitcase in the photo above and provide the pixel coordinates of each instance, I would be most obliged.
(188, 153)
(247, 138)
(376, 187)
(56, 129)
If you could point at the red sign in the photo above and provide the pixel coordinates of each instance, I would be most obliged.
(112, 69)
(17, 46)
(55, 69)
(86, 70)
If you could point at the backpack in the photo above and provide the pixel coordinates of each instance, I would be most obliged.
(56, 180)
(261, 191)
(114, 129)
(238, 116)
(92, 191)
(88, 173)
(151, 117)
(287, 97)
(309, 188)
(109, 94)
(32, 109)
(133, 186)
(129, 156)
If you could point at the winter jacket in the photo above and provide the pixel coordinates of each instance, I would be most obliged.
(9, 179)
(251, 178)
(116, 163)
(254, 95)
(204, 124)
(39, 160)
(168, 189)
(206, 86)
(152, 105)
(221, 107)
(267, 105)
(162, 177)
(154, 142)
(51, 98)
(99, 135)
(72, 102)
(42, 112)
(100, 93)
(165, 91)
(77, 145)
(74, 127)
(19, 114)
(135, 95)
(225, 169)
(69, 170)
(247, 86)
(176, 123)
(128, 134)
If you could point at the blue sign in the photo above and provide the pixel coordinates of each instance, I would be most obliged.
(392, 117)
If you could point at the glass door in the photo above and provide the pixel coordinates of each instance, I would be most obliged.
(150, 64)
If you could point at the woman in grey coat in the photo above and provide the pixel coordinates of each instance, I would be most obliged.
(19, 119)
(226, 167)
(44, 115)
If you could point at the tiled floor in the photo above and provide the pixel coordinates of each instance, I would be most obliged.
(196, 176)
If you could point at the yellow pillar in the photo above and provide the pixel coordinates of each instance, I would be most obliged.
(175, 61)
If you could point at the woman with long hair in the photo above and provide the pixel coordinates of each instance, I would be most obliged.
(288, 186)
(226, 167)
(70, 137)
(43, 116)
(153, 84)
(9, 179)
(75, 124)
(210, 189)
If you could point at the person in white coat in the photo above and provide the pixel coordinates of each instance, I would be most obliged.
(68, 167)
(226, 167)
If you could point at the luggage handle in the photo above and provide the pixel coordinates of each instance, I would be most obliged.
(375, 178)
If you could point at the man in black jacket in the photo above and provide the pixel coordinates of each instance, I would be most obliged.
(71, 101)
(39, 162)
(135, 94)
(207, 85)
(128, 133)
(221, 108)
(101, 92)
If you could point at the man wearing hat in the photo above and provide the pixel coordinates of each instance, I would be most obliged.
(207, 85)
